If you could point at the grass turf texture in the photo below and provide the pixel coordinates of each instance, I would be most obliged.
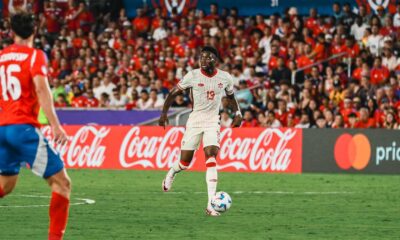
(130, 205)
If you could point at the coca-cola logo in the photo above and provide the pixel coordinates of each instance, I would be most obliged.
(84, 149)
(138, 150)
(268, 151)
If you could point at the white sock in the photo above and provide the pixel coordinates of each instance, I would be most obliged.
(176, 168)
(211, 178)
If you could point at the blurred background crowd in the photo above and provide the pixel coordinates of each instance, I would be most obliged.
(327, 71)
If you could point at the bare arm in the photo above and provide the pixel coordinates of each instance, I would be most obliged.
(163, 121)
(237, 120)
(46, 102)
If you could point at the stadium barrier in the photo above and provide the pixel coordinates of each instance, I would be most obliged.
(153, 148)
(354, 151)
(269, 150)
(102, 116)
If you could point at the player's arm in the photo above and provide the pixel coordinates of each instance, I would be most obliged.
(233, 103)
(237, 120)
(163, 121)
(46, 102)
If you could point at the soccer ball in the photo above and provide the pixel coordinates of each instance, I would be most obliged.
(221, 202)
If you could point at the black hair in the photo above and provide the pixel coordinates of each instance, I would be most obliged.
(23, 24)
(212, 50)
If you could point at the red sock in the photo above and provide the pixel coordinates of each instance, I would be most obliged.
(2, 193)
(58, 213)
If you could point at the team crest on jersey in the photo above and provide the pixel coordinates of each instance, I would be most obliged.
(220, 85)
(200, 84)
(181, 6)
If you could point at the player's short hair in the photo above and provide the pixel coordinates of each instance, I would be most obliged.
(23, 24)
(212, 50)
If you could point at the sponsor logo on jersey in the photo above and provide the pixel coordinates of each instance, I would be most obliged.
(200, 84)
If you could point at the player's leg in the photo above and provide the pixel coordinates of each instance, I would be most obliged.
(33, 148)
(7, 184)
(60, 185)
(9, 165)
(211, 148)
(190, 143)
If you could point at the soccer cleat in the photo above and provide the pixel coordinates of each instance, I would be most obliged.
(212, 212)
(167, 183)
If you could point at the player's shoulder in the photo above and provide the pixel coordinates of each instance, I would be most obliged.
(192, 74)
(224, 74)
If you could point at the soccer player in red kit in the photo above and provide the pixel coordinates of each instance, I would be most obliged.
(23, 88)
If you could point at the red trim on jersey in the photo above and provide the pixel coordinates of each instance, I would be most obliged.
(207, 75)
(186, 164)
(211, 164)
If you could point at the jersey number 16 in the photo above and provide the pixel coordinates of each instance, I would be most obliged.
(9, 83)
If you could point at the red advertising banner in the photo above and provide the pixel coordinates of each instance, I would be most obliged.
(153, 148)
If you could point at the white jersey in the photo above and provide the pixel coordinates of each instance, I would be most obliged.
(207, 92)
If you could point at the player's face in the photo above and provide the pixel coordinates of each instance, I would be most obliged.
(208, 61)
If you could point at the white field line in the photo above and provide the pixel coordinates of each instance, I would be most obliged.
(83, 201)
(265, 192)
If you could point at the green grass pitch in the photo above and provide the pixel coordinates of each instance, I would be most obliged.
(130, 205)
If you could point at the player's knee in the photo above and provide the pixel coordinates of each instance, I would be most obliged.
(62, 185)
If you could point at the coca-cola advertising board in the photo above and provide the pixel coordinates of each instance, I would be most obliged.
(155, 148)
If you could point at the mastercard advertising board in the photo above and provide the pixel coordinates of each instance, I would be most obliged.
(355, 151)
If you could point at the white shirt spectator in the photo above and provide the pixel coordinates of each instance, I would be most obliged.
(391, 62)
(226, 123)
(358, 31)
(103, 88)
(265, 43)
(121, 102)
(159, 34)
(374, 43)
(158, 104)
(144, 105)
(275, 124)
(396, 20)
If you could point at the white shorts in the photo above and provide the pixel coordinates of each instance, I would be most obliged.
(192, 138)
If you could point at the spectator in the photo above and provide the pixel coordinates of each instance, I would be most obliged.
(180, 101)
(106, 86)
(358, 29)
(281, 73)
(244, 96)
(118, 101)
(226, 120)
(271, 121)
(144, 101)
(156, 101)
(248, 119)
(321, 122)
(304, 121)
(91, 101)
(365, 121)
(104, 100)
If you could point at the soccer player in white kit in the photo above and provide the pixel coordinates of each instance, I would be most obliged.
(207, 85)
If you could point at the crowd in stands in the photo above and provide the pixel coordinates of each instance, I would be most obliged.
(111, 61)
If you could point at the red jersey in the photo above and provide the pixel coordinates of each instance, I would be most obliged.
(53, 16)
(18, 101)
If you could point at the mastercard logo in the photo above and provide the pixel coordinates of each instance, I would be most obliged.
(352, 151)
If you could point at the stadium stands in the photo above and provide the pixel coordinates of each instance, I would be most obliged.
(106, 60)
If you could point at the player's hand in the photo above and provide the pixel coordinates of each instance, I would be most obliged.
(60, 137)
(163, 121)
(237, 121)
